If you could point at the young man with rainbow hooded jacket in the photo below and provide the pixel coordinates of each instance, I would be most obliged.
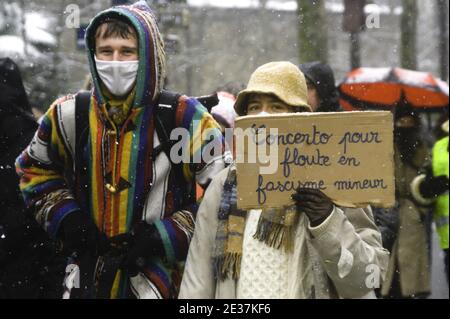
(120, 184)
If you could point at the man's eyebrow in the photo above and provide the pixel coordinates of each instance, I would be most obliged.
(128, 47)
(104, 47)
(125, 47)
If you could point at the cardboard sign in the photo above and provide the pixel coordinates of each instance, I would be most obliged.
(349, 156)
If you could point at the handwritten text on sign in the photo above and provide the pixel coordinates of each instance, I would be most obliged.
(348, 155)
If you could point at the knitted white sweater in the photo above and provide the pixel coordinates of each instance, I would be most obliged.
(264, 270)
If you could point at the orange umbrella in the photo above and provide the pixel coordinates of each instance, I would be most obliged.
(384, 88)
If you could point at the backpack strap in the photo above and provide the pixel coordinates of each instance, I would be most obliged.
(82, 104)
(165, 120)
(209, 101)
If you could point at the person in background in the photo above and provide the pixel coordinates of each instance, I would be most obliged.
(409, 267)
(29, 267)
(224, 112)
(431, 187)
(323, 95)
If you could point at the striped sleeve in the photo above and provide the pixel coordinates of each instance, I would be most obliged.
(208, 152)
(41, 169)
(176, 233)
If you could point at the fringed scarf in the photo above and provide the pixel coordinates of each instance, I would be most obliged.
(276, 228)
(228, 250)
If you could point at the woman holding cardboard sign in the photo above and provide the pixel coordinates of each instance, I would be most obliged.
(311, 249)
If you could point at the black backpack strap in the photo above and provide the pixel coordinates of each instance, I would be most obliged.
(209, 101)
(165, 120)
(82, 103)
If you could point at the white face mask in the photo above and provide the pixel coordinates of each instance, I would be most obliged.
(118, 76)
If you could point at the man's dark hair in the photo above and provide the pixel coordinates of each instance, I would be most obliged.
(115, 28)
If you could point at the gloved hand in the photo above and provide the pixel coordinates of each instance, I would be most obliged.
(146, 244)
(315, 204)
(80, 235)
(434, 186)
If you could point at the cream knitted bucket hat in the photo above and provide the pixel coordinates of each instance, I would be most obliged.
(282, 79)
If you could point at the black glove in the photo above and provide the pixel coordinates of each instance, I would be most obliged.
(315, 204)
(80, 235)
(147, 243)
(434, 186)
